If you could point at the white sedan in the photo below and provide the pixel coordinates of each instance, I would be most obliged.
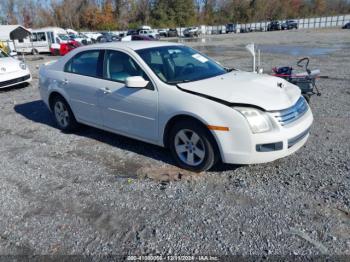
(173, 96)
(12, 71)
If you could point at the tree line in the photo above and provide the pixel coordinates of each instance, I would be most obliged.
(123, 14)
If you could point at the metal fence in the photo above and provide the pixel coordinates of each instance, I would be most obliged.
(303, 23)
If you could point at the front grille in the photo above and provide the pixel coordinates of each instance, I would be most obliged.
(14, 81)
(289, 115)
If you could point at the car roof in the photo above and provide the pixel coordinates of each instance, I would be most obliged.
(137, 45)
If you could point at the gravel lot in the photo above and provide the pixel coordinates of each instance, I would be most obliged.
(97, 193)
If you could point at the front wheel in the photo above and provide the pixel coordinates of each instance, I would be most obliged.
(192, 146)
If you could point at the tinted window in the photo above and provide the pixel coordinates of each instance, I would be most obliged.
(41, 36)
(119, 66)
(84, 63)
(51, 37)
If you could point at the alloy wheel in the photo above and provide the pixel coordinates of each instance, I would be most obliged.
(61, 114)
(189, 147)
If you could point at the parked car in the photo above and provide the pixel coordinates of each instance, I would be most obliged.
(81, 38)
(172, 32)
(150, 33)
(346, 26)
(191, 32)
(65, 48)
(274, 26)
(171, 95)
(108, 37)
(92, 35)
(163, 32)
(137, 38)
(132, 32)
(289, 24)
(246, 30)
(12, 71)
(231, 28)
(141, 38)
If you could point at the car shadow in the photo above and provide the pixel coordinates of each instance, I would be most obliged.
(37, 111)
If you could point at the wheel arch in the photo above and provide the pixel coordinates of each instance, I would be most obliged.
(53, 95)
(181, 117)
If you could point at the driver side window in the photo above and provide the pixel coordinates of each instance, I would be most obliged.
(118, 66)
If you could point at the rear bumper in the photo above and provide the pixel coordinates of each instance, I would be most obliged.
(15, 79)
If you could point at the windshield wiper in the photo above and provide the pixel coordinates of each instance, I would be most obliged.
(229, 69)
(179, 81)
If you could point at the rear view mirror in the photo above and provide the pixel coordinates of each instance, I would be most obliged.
(136, 82)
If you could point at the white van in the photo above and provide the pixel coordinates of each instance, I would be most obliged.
(44, 40)
(49, 39)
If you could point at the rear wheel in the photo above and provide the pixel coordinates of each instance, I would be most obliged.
(192, 146)
(63, 115)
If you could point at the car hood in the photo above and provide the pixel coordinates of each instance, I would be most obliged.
(10, 64)
(238, 87)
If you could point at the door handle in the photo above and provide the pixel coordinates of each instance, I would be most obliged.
(106, 90)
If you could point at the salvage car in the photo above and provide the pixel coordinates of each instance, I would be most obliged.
(163, 32)
(172, 32)
(274, 26)
(191, 32)
(173, 96)
(289, 24)
(107, 37)
(346, 26)
(231, 28)
(151, 33)
(12, 71)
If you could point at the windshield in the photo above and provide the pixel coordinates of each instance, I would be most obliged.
(178, 64)
(3, 54)
(63, 37)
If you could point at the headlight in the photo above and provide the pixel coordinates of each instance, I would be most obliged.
(23, 66)
(259, 121)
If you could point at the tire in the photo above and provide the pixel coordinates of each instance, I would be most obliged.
(63, 115)
(192, 146)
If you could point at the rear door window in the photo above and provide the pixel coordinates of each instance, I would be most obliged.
(87, 63)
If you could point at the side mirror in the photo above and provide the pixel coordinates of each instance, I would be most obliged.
(136, 82)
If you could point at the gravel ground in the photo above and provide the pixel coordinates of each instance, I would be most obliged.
(97, 193)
